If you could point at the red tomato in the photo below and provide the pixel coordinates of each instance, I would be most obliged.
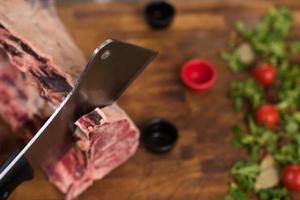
(267, 115)
(291, 177)
(265, 74)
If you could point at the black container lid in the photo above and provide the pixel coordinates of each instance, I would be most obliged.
(159, 14)
(159, 136)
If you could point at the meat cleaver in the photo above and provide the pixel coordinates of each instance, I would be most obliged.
(112, 67)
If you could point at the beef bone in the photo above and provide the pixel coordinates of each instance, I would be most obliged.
(39, 64)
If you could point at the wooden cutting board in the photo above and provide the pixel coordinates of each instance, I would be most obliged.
(198, 168)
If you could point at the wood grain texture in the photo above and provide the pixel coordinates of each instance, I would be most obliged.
(198, 168)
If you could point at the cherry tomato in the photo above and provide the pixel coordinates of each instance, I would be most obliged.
(265, 74)
(290, 175)
(267, 115)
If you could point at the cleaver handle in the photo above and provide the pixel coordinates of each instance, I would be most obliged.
(20, 172)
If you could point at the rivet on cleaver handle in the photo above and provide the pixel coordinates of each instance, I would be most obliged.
(112, 67)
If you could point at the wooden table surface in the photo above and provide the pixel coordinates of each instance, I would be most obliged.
(198, 167)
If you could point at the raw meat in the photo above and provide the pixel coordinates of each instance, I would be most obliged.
(39, 64)
(107, 138)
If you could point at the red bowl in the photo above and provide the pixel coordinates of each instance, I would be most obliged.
(198, 75)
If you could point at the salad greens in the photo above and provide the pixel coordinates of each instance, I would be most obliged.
(266, 42)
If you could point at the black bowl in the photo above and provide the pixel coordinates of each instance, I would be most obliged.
(159, 14)
(159, 136)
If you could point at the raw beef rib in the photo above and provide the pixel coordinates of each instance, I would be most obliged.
(39, 64)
